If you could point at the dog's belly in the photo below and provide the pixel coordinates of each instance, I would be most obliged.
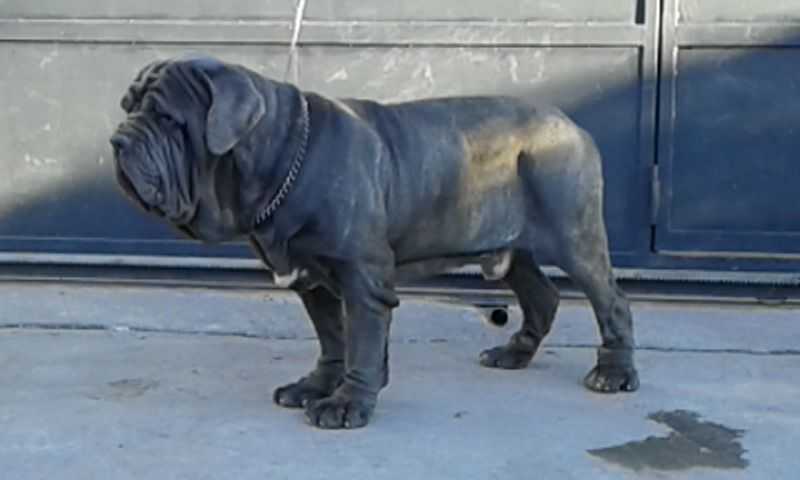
(494, 265)
(486, 221)
(472, 201)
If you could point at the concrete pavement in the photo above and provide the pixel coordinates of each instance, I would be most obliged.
(139, 383)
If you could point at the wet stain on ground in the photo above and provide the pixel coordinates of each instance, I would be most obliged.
(692, 443)
(130, 388)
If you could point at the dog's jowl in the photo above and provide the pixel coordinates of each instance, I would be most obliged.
(343, 198)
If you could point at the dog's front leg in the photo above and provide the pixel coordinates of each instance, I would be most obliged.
(326, 312)
(368, 296)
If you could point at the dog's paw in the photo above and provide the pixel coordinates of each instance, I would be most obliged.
(298, 394)
(612, 379)
(339, 411)
(505, 357)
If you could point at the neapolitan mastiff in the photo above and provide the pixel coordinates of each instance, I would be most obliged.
(343, 198)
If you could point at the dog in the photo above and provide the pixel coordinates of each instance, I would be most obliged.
(343, 198)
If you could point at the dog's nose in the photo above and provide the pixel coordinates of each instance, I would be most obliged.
(119, 143)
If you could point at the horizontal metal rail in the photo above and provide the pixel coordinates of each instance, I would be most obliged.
(350, 33)
(463, 285)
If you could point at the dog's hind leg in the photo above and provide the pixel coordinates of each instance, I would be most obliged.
(538, 299)
(585, 258)
(568, 185)
(587, 264)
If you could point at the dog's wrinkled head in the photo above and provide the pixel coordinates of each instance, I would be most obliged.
(184, 117)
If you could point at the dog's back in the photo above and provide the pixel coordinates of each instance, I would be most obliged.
(455, 182)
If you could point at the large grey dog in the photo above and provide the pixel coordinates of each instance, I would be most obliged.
(343, 198)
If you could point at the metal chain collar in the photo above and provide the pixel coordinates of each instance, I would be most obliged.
(294, 169)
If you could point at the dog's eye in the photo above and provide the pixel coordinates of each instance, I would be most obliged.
(167, 122)
(159, 112)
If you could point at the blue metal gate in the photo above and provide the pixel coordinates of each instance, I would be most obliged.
(729, 162)
(695, 105)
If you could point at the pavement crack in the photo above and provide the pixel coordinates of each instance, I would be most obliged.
(654, 348)
(261, 336)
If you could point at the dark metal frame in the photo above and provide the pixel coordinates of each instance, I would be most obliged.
(464, 288)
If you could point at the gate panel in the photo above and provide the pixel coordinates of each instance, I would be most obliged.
(67, 72)
(729, 139)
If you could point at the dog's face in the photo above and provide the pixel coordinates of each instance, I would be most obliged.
(172, 151)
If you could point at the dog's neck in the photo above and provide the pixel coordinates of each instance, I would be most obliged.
(300, 147)
(277, 148)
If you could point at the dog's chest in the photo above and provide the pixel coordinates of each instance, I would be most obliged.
(285, 280)
(285, 272)
(299, 274)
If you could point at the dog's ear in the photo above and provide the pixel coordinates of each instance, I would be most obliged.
(236, 107)
(146, 76)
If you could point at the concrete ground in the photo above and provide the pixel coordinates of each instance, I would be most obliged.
(144, 383)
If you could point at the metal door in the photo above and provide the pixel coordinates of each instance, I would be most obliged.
(729, 152)
(66, 65)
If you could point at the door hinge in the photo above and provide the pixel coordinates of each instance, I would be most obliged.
(655, 194)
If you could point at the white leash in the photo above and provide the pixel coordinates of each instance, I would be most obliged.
(292, 64)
